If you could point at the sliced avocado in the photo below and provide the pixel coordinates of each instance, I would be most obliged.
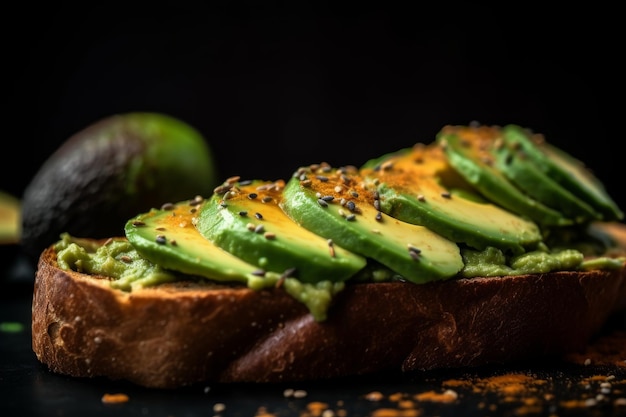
(245, 219)
(568, 171)
(514, 161)
(168, 237)
(417, 186)
(467, 150)
(332, 203)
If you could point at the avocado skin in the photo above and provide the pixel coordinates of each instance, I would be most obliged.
(108, 172)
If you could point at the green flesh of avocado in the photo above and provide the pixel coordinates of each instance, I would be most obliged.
(168, 237)
(413, 188)
(467, 151)
(566, 170)
(332, 204)
(246, 220)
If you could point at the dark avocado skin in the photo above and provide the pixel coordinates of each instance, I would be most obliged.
(110, 171)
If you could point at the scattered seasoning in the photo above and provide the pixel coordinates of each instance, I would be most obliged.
(114, 398)
(243, 213)
(252, 196)
(258, 216)
(446, 194)
(160, 239)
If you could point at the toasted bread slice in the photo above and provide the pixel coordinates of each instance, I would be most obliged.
(179, 334)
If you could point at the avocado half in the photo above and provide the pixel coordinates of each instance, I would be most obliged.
(110, 171)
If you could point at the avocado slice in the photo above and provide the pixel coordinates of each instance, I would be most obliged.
(568, 171)
(245, 219)
(467, 150)
(332, 203)
(417, 185)
(169, 238)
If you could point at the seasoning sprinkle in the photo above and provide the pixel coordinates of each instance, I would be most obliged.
(322, 202)
(243, 213)
(446, 194)
(160, 239)
(252, 196)
(259, 229)
(414, 252)
(258, 216)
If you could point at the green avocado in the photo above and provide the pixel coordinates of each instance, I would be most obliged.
(332, 203)
(418, 186)
(245, 219)
(111, 170)
(467, 150)
(564, 169)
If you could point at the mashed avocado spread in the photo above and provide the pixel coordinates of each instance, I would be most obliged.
(118, 260)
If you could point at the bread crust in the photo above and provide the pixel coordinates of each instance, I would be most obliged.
(180, 334)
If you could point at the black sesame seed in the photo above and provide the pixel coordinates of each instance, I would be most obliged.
(351, 217)
(167, 206)
(322, 178)
(328, 198)
(243, 213)
(259, 229)
(138, 223)
(446, 194)
(160, 239)
(350, 205)
(258, 216)
(322, 202)
(379, 216)
(252, 196)
(267, 199)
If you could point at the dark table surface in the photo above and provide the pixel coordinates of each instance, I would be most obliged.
(590, 383)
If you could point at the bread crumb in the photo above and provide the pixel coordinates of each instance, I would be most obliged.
(114, 398)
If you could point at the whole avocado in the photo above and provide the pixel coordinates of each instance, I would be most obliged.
(108, 172)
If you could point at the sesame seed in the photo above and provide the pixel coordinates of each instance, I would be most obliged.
(126, 259)
(258, 216)
(331, 247)
(251, 226)
(245, 182)
(138, 223)
(160, 239)
(243, 213)
(259, 229)
(258, 272)
(351, 217)
(269, 235)
(167, 206)
(252, 196)
(379, 216)
(322, 178)
(267, 199)
(322, 202)
(420, 197)
(446, 194)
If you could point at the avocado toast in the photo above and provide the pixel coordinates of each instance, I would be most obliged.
(406, 260)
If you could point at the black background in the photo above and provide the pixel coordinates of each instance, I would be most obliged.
(273, 87)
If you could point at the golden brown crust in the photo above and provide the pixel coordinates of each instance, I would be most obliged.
(185, 333)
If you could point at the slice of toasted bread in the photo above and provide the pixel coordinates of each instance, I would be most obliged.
(183, 333)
